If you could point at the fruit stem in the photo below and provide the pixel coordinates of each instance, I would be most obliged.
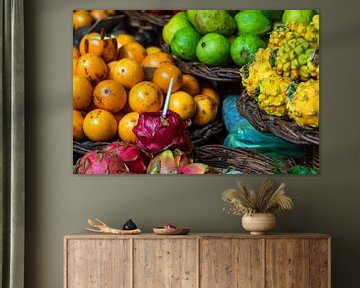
(168, 95)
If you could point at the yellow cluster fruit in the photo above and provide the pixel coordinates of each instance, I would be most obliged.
(309, 32)
(296, 59)
(272, 96)
(284, 77)
(281, 36)
(257, 71)
(303, 103)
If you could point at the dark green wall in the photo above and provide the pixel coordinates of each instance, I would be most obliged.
(58, 203)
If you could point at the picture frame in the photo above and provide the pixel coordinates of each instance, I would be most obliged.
(233, 123)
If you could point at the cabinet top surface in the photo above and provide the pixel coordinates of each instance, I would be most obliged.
(87, 235)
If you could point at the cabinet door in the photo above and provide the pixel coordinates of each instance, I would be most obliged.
(320, 263)
(231, 263)
(166, 263)
(288, 263)
(98, 263)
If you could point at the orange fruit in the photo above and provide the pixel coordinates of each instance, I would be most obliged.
(145, 97)
(126, 126)
(190, 85)
(123, 39)
(78, 120)
(82, 93)
(164, 73)
(110, 68)
(110, 95)
(128, 72)
(156, 60)
(206, 110)
(81, 18)
(92, 67)
(94, 43)
(75, 63)
(100, 125)
(99, 14)
(152, 49)
(76, 52)
(183, 104)
(210, 92)
(133, 50)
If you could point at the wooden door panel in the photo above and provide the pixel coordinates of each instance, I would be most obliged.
(170, 263)
(319, 263)
(287, 263)
(231, 263)
(98, 263)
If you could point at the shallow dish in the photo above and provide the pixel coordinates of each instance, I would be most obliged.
(171, 231)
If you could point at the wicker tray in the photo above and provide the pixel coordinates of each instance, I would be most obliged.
(278, 126)
(159, 20)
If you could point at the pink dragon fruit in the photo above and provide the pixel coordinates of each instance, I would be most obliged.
(155, 133)
(101, 162)
(134, 159)
(168, 162)
(195, 168)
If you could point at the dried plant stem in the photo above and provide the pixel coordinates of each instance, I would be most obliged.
(245, 201)
(101, 227)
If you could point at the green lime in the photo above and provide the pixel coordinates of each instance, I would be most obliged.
(213, 49)
(244, 47)
(217, 21)
(252, 22)
(184, 43)
(182, 15)
(300, 16)
(178, 22)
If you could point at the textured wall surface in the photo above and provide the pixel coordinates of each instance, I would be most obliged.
(59, 203)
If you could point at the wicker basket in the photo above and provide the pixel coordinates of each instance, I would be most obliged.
(240, 160)
(202, 135)
(159, 20)
(218, 74)
(230, 161)
(198, 136)
(279, 126)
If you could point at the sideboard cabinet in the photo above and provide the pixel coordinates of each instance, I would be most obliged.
(197, 261)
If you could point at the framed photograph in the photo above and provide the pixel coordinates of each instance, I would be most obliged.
(196, 91)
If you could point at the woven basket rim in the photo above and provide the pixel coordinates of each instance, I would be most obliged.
(159, 20)
(218, 74)
(245, 161)
(198, 136)
(283, 128)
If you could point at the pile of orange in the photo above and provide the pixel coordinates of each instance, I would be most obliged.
(115, 79)
(83, 18)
